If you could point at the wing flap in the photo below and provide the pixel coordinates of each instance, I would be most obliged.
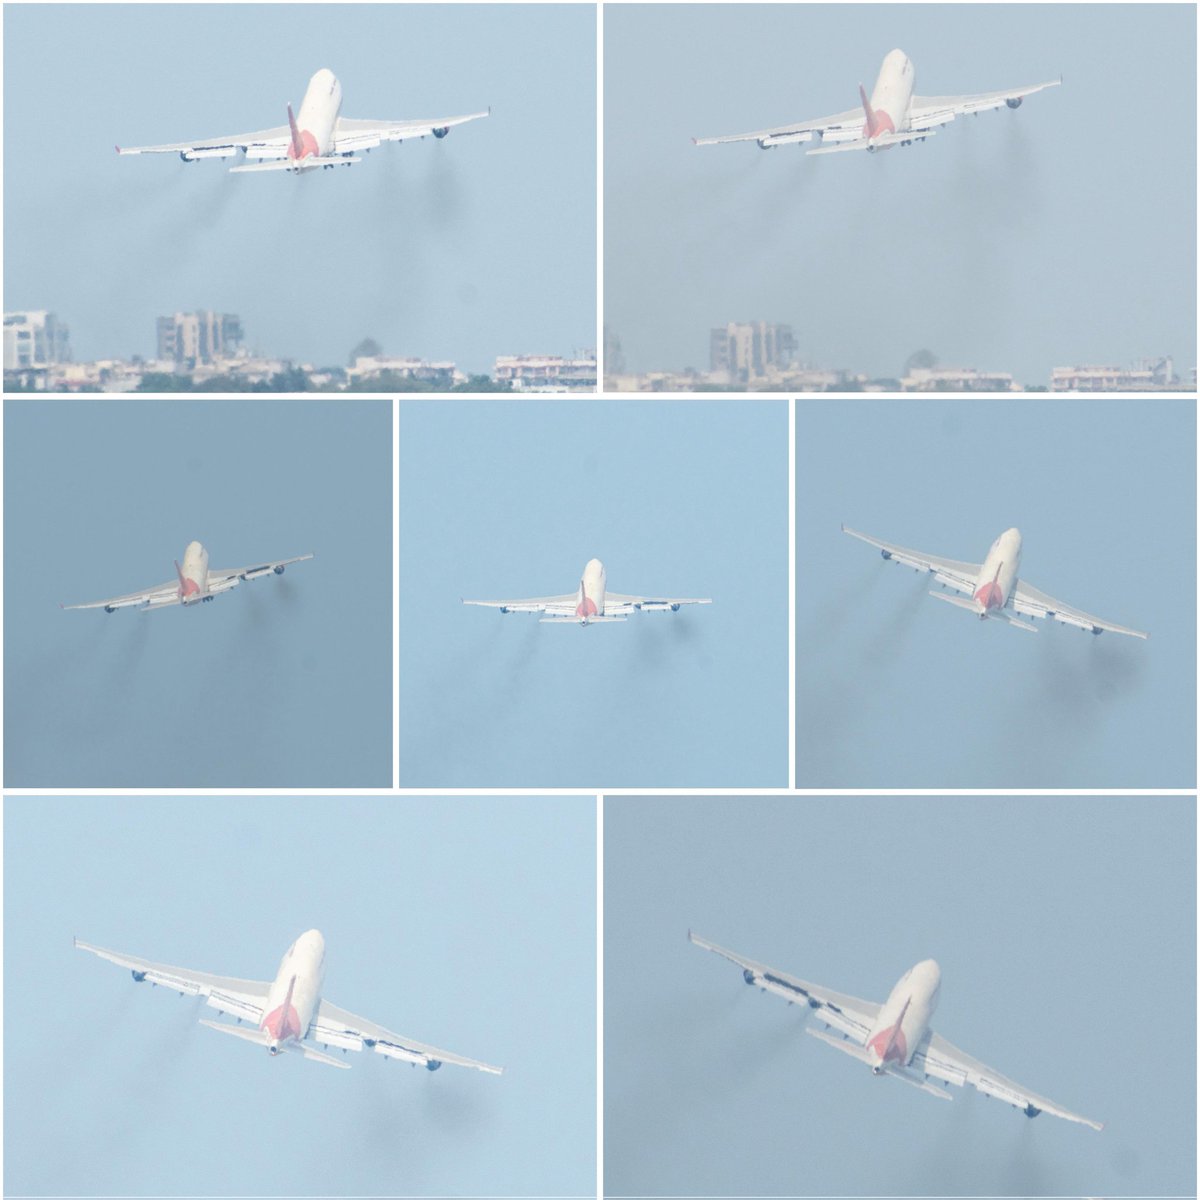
(849, 123)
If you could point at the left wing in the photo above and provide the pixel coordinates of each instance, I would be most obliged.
(928, 111)
(160, 596)
(937, 1057)
(854, 1017)
(959, 575)
(333, 1026)
(245, 998)
(616, 603)
(1028, 600)
(266, 143)
(352, 134)
(843, 126)
(560, 605)
(227, 577)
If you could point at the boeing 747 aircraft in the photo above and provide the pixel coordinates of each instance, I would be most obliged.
(991, 588)
(288, 1012)
(590, 604)
(318, 137)
(892, 117)
(895, 1038)
(195, 582)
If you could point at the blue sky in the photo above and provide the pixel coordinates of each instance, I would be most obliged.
(286, 681)
(462, 249)
(1018, 241)
(1066, 933)
(503, 500)
(897, 690)
(467, 924)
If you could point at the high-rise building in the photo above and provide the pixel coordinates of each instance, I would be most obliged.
(198, 337)
(33, 340)
(748, 350)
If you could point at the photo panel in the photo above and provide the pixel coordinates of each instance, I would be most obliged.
(592, 529)
(1083, 513)
(283, 679)
(919, 233)
(467, 924)
(1044, 943)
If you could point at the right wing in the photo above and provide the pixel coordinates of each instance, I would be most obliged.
(333, 1026)
(266, 143)
(159, 596)
(841, 127)
(927, 111)
(557, 605)
(962, 576)
(854, 1017)
(245, 998)
(352, 133)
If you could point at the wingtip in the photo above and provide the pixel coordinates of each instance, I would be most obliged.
(694, 142)
(117, 149)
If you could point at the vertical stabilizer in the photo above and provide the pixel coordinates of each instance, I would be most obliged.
(297, 142)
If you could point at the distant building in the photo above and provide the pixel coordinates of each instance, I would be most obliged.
(614, 357)
(1145, 375)
(957, 379)
(33, 342)
(198, 337)
(544, 373)
(742, 352)
(368, 366)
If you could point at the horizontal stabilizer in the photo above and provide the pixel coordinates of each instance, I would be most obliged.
(876, 143)
(289, 164)
(918, 1082)
(972, 606)
(259, 1036)
(317, 1056)
(846, 1047)
(579, 620)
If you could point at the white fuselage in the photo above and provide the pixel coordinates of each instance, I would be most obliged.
(903, 1021)
(193, 574)
(317, 117)
(296, 992)
(888, 110)
(591, 591)
(998, 575)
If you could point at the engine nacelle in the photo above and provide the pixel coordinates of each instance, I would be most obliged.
(432, 1065)
(749, 976)
(108, 608)
(1030, 1111)
(813, 1002)
(441, 133)
(1013, 102)
(887, 555)
(279, 570)
(138, 976)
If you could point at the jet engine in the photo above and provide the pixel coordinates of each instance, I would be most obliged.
(279, 570)
(1029, 1110)
(432, 1065)
(138, 976)
(1014, 102)
(441, 131)
(748, 976)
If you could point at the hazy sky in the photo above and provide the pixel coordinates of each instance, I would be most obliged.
(463, 249)
(466, 924)
(285, 681)
(1018, 241)
(1066, 933)
(509, 499)
(898, 690)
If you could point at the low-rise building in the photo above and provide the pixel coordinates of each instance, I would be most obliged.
(444, 374)
(957, 379)
(1147, 375)
(547, 373)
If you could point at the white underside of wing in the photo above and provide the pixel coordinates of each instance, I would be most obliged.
(159, 596)
(536, 604)
(260, 570)
(333, 1026)
(243, 998)
(847, 124)
(937, 110)
(950, 571)
(647, 603)
(849, 1014)
(352, 133)
(263, 140)
(944, 1061)
(1031, 602)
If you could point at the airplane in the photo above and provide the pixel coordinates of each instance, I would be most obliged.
(288, 1012)
(590, 605)
(894, 1038)
(196, 583)
(892, 117)
(992, 589)
(318, 137)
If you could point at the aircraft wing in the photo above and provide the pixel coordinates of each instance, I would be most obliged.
(159, 596)
(937, 1057)
(843, 126)
(227, 577)
(266, 143)
(1028, 600)
(353, 134)
(245, 998)
(851, 1015)
(961, 576)
(333, 1026)
(616, 602)
(927, 111)
(550, 604)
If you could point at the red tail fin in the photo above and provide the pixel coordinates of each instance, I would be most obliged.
(862, 93)
(297, 144)
(182, 584)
